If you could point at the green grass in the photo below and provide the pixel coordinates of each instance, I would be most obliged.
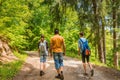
(73, 55)
(22, 56)
(9, 70)
(92, 58)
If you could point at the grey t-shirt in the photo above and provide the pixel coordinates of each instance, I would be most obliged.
(43, 48)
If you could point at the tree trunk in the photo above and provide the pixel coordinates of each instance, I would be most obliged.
(101, 58)
(114, 34)
(96, 51)
(96, 22)
(103, 40)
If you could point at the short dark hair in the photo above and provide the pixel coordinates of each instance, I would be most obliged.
(42, 36)
(56, 31)
(81, 34)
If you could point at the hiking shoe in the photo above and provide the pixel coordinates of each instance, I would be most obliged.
(61, 77)
(58, 76)
(85, 74)
(41, 73)
(92, 72)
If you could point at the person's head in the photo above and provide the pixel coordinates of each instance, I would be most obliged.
(81, 34)
(56, 31)
(42, 37)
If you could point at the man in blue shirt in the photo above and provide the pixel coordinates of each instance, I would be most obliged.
(85, 57)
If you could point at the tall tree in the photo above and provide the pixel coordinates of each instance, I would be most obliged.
(97, 31)
(114, 12)
(103, 14)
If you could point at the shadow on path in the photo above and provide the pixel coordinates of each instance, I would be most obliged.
(73, 70)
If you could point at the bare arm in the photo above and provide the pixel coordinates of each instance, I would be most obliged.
(64, 48)
(78, 51)
(47, 47)
(78, 47)
(38, 49)
(38, 52)
(50, 49)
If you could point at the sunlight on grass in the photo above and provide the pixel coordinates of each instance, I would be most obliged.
(73, 55)
(7, 71)
(21, 56)
(92, 59)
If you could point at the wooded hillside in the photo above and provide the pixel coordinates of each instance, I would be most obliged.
(23, 21)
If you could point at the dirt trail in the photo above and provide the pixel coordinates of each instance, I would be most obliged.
(73, 70)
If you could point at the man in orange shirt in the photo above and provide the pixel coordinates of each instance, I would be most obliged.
(57, 47)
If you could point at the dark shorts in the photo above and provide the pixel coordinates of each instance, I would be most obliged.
(58, 59)
(85, 57)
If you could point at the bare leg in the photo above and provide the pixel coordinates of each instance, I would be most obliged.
(44, 66)
(61, 73)
(61, 68)
(92, 71)
(41, 66)
(58, 71)
(90, 66)
(84, 65)
(57, 76)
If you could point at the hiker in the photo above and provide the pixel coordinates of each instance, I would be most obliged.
(84, 49)
(57, 49)
(43, 52)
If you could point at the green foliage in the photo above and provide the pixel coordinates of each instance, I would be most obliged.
(7, 71)
(73, 55)
(71, 40)
(22, 56)
(23, 21)
(109, 59)
(13, 23)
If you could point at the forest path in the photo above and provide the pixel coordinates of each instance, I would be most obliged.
(73, 70)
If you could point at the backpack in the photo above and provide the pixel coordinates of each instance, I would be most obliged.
(84, 47)
(43, 47)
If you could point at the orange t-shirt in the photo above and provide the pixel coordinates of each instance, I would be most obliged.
(57, 42)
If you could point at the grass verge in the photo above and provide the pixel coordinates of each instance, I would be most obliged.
(92, 59)
(73, 55)
(9, 70)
